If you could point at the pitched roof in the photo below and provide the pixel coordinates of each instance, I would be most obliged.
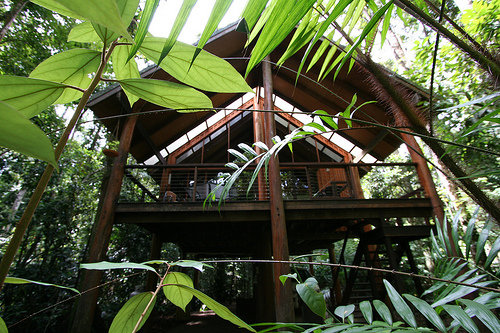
(160, 129)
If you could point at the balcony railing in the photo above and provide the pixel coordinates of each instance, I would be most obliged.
(194, 182)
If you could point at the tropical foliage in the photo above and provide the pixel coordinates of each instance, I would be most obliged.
(112, 32)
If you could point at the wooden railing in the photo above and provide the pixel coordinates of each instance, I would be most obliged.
(193, 182)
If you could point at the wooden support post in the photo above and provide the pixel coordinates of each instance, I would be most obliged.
(335, 290)
(283, 294)
(425, 178)
(259, 135)
(155, 253)
(101, 232)
(424, 175)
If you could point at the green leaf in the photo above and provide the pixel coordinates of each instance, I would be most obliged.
(142, 30)
(347, 111)
(124, 68)
(469, 232)
(313, 299)
(208, 72)
(246, 148)
(327, 118)
(344, 311)
(16, 280)
(3, 327)
(126, 9)
(285, 277)
(483, 237)
(128, 316)
(385, 25)
(486, 316)
(103, 12)
(461, 317)
(218, 308)
(218, 12)
(104, 265)
(55, 6)
(427, 311)
(403, 309)
(83, 33)
(174, 293)
(337, 10)
(316, 126)
(383, 311)
(493, 253)
(369, 26)
(191, 264)
(29, 96)
(282, 20)
(167, 94)
(180, 21)
(69, 67)
(261, 145)
(461, 291)
(237, 154)
(252, 12)
(366, 310)
(21, 135)
(454, 231)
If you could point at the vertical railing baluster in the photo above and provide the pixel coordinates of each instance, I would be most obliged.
(308, 177)
(195, 182)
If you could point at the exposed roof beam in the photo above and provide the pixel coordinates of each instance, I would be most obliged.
(380, 136)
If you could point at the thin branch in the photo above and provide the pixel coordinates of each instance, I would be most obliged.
(372, 269)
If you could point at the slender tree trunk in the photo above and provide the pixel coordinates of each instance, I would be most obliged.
(10, 17)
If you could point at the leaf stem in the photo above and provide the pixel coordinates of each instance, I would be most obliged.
(158, 288)
(29, 211)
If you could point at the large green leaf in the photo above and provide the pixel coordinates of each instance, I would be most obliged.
(21, 135)
(103, 12)
(283, 18)
(383, 311)
(180, 21)
(167, 94)
(83, 33)
(487, 317)
(461, 291)
(126, 9)
(128, 316)
(104, 265)
(57, 7)
(493, 253)
(208, 72)
(174, 293)
(483, 237)
(70, 67)
(344, 311)
(369, 26)
(3, 327)
(461, 317)
(16, 280)
(252, 12)
(125, 68)
(218, 12)
(218, 308)
(427, 311)
(403, 309)
(366, 310)
(145, 21)
(313, 299)
(29, 96)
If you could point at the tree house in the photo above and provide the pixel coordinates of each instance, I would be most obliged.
(313, 196)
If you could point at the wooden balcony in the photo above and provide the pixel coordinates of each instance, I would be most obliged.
(320, 206)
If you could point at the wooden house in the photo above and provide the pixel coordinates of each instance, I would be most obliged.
(313, 197)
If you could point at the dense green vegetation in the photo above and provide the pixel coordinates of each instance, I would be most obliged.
(55, 241)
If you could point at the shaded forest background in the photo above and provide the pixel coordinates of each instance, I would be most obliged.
(58, 236)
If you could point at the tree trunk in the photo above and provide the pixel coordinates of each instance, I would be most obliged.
(10, 16)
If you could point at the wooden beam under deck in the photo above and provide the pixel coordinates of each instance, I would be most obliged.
(258, 211)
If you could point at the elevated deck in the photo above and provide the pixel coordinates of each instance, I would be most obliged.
(236, 228)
